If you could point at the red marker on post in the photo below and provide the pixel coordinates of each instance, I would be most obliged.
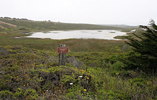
(62, 50)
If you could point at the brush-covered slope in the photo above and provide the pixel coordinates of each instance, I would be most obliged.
(33, 74)
(28, 74)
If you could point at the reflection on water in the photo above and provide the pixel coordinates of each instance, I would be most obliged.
(79, 34)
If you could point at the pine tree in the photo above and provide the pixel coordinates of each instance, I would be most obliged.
(144, 55)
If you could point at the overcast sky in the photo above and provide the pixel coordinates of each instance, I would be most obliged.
(130, 12)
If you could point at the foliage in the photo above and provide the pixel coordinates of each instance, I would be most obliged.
(144, 54)
(29, 68)
(6, 94)
(31, 74)
(31, 94)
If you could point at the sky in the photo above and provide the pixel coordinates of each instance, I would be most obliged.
(128, 12)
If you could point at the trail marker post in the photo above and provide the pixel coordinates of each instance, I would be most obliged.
(62, 50)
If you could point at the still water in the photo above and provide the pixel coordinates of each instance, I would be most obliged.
(78, 34)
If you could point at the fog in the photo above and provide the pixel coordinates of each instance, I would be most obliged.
(130, 12)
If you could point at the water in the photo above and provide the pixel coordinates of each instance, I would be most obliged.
(79, 34)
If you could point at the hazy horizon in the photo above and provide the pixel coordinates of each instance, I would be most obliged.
(101, 12)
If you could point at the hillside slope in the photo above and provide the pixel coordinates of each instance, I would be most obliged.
(24, 24)
(30, 74)
(5, 25)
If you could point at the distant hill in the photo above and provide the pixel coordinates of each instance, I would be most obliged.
(124, 27)
(25, 24)
(117, 25)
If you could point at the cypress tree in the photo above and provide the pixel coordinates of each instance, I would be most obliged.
(144, 54)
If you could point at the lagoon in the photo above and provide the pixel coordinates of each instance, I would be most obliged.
(78, 34)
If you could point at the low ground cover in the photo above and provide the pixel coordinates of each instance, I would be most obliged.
(34, 74)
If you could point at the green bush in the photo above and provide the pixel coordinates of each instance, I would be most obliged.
(31, 94)
(6, 94)
(118, 66)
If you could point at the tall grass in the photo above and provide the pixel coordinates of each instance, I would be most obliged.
(75, 45)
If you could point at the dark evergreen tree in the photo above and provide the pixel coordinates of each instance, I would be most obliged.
(144, 54)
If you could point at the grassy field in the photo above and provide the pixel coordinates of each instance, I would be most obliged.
(29, 69)
(21, 26)
(75, 45)
(11, 28)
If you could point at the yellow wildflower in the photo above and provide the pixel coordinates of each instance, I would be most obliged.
(26, 75)
(40, 77)
(21, 79)
(85, 90)
(28, 78)
(76, 69)
(17, 76)
(87, 78)
(27, 83)
(83, 71)
(23, 85)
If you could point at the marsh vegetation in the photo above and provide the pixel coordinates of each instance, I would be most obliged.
(95, 69)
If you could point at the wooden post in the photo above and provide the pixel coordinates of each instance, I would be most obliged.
(62, 56)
